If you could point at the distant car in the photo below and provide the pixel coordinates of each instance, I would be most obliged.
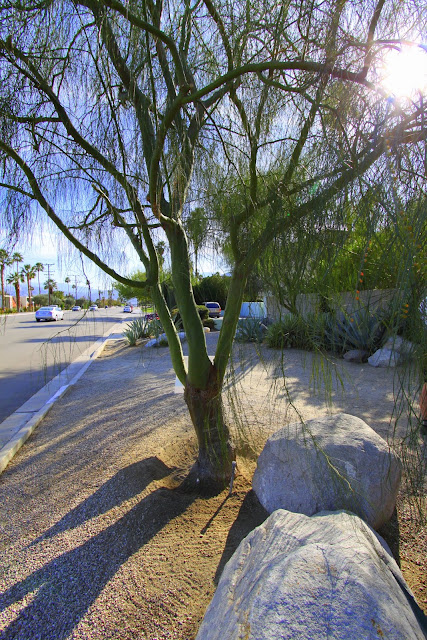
(76, 308)
(128, 308)
(214, 309)
(49, 314)
(93, 307)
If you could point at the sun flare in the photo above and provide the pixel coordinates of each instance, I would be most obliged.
(405, 71)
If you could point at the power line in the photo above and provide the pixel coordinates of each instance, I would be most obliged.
(48, 265)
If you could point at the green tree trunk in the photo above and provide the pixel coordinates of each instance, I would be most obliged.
(216, 451)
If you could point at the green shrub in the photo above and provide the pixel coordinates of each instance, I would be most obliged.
(203, 313)
(138, 328)
(155, 328)
(250, 330)
(209, 322)
(359, 330)
(293, 331)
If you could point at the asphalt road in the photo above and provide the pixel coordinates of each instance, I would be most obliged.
(32, 353)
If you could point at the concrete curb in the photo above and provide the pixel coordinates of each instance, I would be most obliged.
(18, 427)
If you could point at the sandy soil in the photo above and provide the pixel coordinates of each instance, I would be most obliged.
(97, 539)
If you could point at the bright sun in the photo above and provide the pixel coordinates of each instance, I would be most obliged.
(405, 72)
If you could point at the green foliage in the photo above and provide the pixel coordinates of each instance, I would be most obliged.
(126, 292)
(288, 332)
(138, 329)
(210, 323)
(359, 330)
(196, 227)
(203, 313)
(336, 332)
(212, 288)
(250, 330)
(42, 299)
(155, 328)
(294, 331)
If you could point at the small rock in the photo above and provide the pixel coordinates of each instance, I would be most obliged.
(402, 346)
(384, 358)
(356, 355)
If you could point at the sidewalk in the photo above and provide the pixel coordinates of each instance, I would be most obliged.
(17, 428)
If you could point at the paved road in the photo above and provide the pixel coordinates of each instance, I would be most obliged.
(32, 353)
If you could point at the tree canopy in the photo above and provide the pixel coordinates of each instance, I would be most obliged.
(267, 114)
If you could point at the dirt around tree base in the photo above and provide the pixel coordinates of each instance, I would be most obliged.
(97, 539)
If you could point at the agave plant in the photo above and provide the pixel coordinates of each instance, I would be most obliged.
(360, 330)
(138, 328)
(250, 330)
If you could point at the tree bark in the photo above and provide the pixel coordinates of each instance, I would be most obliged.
(212, 470)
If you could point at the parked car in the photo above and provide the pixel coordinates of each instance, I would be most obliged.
(76, 308)
(49, 314)
(128, 308)
(93, 307)
(214, 309)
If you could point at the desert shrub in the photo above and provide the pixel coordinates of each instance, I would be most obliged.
(250, 330)
(293, 331)
(155, 328)
(359, 330)
(209, 322)
(138, 328)
(203, 313)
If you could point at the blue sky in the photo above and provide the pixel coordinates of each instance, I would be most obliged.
(54, 250)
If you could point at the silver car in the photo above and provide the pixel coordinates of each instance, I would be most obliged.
(49, 314)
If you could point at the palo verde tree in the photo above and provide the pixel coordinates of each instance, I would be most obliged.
(112, 111)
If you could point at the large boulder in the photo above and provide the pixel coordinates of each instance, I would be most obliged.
(330, 463)
(300, 578)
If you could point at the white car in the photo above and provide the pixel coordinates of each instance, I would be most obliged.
(49, 314)
(128, 308)
(93, 307)
(214, 309)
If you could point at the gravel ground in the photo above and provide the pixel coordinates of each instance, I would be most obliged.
(98, 541)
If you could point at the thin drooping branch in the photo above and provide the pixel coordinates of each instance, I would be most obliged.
(38, 195)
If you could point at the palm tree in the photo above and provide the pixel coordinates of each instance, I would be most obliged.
(16, 279)
(5, 261)
(67, 281)
(74, 286)
(17, 257)
(39, 266)
(50, 285)
(28, 272)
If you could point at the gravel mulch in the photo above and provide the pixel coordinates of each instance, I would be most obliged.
(96, 538)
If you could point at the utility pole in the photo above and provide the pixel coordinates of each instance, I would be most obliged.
(51, 264)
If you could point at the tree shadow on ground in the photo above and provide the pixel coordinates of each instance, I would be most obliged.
(61, 592)
(251, 515)
(126, 484)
